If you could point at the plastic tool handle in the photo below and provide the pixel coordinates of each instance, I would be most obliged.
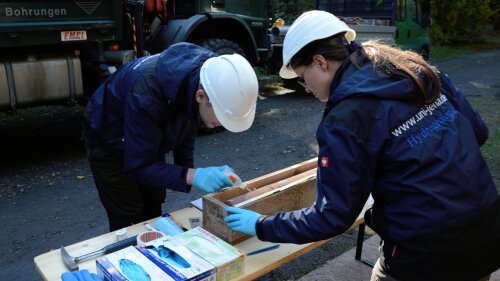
(120, 245)
(108, 249)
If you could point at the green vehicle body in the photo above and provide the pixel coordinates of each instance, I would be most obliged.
(411, 24)
(409, 17)
(62, 50)
(38, 23)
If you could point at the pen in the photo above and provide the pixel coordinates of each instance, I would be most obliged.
(272, 247)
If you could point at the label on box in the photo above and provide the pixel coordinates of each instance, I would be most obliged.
(129, 264)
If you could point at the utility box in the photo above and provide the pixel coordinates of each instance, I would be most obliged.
(292, 188)
(49, 78)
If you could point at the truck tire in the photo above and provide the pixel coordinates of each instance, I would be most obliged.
(223, 46)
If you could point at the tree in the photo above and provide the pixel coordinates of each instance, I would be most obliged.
(289, 10)
(455, 21)
(495, 6)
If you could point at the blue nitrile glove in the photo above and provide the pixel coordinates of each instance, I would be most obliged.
(81, 275)
(211, 179)
(242, 220)
(172, 257)
(133, 271)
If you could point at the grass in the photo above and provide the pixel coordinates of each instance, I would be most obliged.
(492, 149)
(268, 82)
(446, 51)
(491, 153)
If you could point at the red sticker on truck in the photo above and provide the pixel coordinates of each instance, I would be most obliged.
(77, 35)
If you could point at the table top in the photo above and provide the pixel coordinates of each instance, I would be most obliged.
(50, 265)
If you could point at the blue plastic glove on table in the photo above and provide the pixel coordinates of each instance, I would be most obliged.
(81, 275)
(242, 220)
(212, 179)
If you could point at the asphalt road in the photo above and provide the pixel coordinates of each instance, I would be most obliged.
(48, 198)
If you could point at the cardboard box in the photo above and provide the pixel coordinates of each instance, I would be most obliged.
(181, 263)
(228, 260)
(118, 266)
(298, 195)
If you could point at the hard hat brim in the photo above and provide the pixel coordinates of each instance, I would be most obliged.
(232, 125)
(287, 72)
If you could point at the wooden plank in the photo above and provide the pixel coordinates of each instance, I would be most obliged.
(294, 198)
(270, 188)
(282, 174)
(297, 196)
(50, 265)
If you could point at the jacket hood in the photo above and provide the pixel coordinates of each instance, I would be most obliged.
(176, 63)
(366, 81)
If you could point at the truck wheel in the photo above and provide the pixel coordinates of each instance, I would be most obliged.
(223, 46)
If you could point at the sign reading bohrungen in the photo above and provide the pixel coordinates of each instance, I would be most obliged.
(34, 12)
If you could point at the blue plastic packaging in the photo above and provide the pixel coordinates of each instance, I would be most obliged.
(166, 225)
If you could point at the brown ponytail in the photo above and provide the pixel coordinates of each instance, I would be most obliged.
(396, 62)
(391, 60)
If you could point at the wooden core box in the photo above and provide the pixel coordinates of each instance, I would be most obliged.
(289, 189)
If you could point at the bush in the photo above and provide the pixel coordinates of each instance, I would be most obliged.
(289, 10)
(460, 20)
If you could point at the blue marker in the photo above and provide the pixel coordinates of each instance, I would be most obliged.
(272, 247)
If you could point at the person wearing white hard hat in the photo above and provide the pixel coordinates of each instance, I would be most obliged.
(398, 129)
(155, 105)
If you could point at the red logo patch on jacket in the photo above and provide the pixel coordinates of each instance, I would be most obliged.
(324, 162)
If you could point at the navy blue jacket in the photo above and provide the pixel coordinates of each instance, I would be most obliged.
(147, 109)
(422, 164)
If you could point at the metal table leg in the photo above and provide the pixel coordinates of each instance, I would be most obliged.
(359, 245)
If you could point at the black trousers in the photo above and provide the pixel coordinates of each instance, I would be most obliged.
(126, 202)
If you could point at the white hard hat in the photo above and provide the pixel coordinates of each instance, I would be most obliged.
(232, 88)
(309, 27)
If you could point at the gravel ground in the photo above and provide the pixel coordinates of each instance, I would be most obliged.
(48, 199)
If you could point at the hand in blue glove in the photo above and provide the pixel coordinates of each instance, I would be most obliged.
(211, 179)
(81, 275)
(242, 220)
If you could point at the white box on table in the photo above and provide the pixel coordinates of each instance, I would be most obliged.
(228, 259)
(178, 261)
(120, 265)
